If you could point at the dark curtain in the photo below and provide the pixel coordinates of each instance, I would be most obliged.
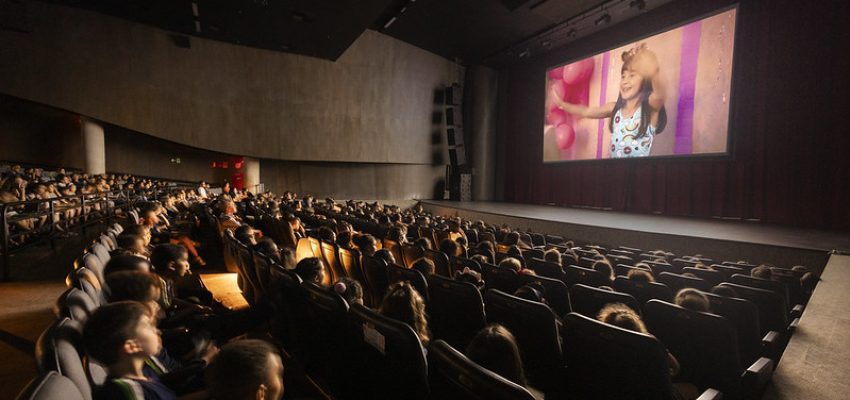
(789, 159)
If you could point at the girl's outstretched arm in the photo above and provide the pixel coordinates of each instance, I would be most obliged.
(597, 112)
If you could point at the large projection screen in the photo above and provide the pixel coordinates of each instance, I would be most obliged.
(663, 95)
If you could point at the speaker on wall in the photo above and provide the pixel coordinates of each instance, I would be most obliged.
(457, 156)
(454, 136)
(454, 95)
(454, 116)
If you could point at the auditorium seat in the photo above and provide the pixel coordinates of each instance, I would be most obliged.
(683, 262)
(76, 305)
(643, 292)
(375, 272)
(101, 251)
(106, 241)
(712, 277)
(395, 249)
(584, 276)
(455, 310)
(728, 271)
(491, 257)
(537, 239)
(780, 288)
(677, 282)
(410, 254)
(285, 294)
(388, 361)
(623, 269)
(500, 278)
(554, 240)
(60, 349)
(528, 254)
(772, 313)
(262, 271)
(610, 363)
(744, 315)
(547, 269)
(453, 376)
(557, 294)
(92, 263)
(501, 256)
(305, 247)
(706, 346)
(323, 323)
(586, 262)
(796, 295)
(457, 264)
(51, 386)
(397, 273)
(440, 260)
(331, 260)
(84, 279)
(536, 330)
(349, 261)
(659, 267)
(588, 301)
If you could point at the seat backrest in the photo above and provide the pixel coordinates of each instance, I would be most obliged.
(557, 294)
(76, 305)
(106, 241)
(528, 254)
(262, 270)
(502, 255)
(86, 280)
(536, 330)
(397, 273)
(588, 301)
(60, 349)
(601, 354)
(677, 282)
(777, 287)
(387, 356)
(683, 262)
(324, 327)
(705, 345)
(585, 276)
(728, 270)
(586, 262)
(349, 261)
(537, 239)
(92, 263)
(659, 267)
(101, 251)
(375, 270)
(457, 264)
(796, 295)
(712, 277)
(547, 269)
(410, 253)
(118, 227)
(329, 256)
(643, 292)
(500, 278)
(487, 236)
(455, 310)
(51, 386)
(304, 249)
(623, 269)
(440, 260)
(772, 313)
(744, 315)
(395, 249)
(453, 376)
(231, 257)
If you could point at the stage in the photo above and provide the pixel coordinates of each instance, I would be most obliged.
(715, 238)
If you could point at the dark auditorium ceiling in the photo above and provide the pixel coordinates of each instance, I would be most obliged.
(490, 32)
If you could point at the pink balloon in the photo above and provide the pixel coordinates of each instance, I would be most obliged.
(559, 88)
(578, 71)
(556, 116)
(556, 73)
(565, 136)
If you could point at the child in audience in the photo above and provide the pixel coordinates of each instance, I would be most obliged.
(423, 243)
(692, 299)
(247, 369)
(621, 315)
(604, 266)
(311, 269)
(552, 256)
(724, 291)
(470, 276)
(762, 271)
(126, 262)
(450, 248)
(496, 349)
(386, 255)
(423, 265)
(403, 303)
(366, 243)
(511, 263)
(350, 290)
(640, 275)
(245, 234)
(123, 337)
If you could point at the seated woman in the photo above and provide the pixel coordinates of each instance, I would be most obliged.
(403, 303)
(496, 349)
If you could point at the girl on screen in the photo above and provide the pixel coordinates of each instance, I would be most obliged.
(638, 114)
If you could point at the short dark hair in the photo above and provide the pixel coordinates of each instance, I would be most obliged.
(423, 265)
(309, 269)
(135, 229)
(242, 233)
(640, 275)
(126, 240)
(109, 327)
(125, 262)
(449, 247)
(496, 349)
(238, 369)
(725, 291)
(131, 285)
(166, 253)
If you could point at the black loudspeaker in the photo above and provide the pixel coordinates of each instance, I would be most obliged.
(454, 136)
(454, 95)
(454, 116)
(457, 155)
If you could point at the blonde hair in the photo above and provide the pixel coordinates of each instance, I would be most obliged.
(403, 303)
(619, 314)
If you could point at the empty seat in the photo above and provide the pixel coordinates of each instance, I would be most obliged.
(706, 346)
(588, 301)
(557, 294)
(677, 282)
(536, 329)
(643, 292)
(60, 349)
(397, 273)
(388, 361)
(455, 309)
(584, 276)
(375, 271)
(51, 386)
(608, 362)
(349, 261)
(744, 315)
(76, 305)
(712, 277)
(780, 288)
(305, 248)
(440, 260)
(331, 260)
(453, 376)
(324, 326)
(772, 313)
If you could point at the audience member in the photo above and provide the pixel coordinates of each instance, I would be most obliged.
(692, 299)
(311, 269)
(350, 290)
(403, 303)
(247, 369)
(496, 349)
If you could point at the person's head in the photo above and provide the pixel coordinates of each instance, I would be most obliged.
(135, 244)
(327, 234)
(403, 303)
(344, 240)
(450, 248)
(552, 255)
(287, 258)
(366, 243)
(724, 291)
(397, 234)
(423, 243)
(470, 276)
(423, 265)
(139, 230)
(118, 332)
(604, 267)
(136, 286)
(640, 275)
(619, 314)
(311, 269)
(496, 349)
(511, 263)
(268, 247)
(386, 255)
(480, 258)
(228, 207)
(762, 271)
(246, 369)
(245, 234)
(126, 262)
(635, 87)
(170, 260)
(692, 299)
(350, 290)
(486, 245)
(149, 218)
(532, 291)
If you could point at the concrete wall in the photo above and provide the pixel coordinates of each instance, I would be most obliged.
(39, 135)
(372, 105)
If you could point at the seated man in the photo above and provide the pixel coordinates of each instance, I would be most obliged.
(246, 370)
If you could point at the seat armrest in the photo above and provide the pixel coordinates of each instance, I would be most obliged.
(793, 325)
(756, 377)
(797, 311)
(770, 345)
(710, 394)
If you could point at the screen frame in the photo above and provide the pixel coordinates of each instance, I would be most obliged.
(728, 154)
